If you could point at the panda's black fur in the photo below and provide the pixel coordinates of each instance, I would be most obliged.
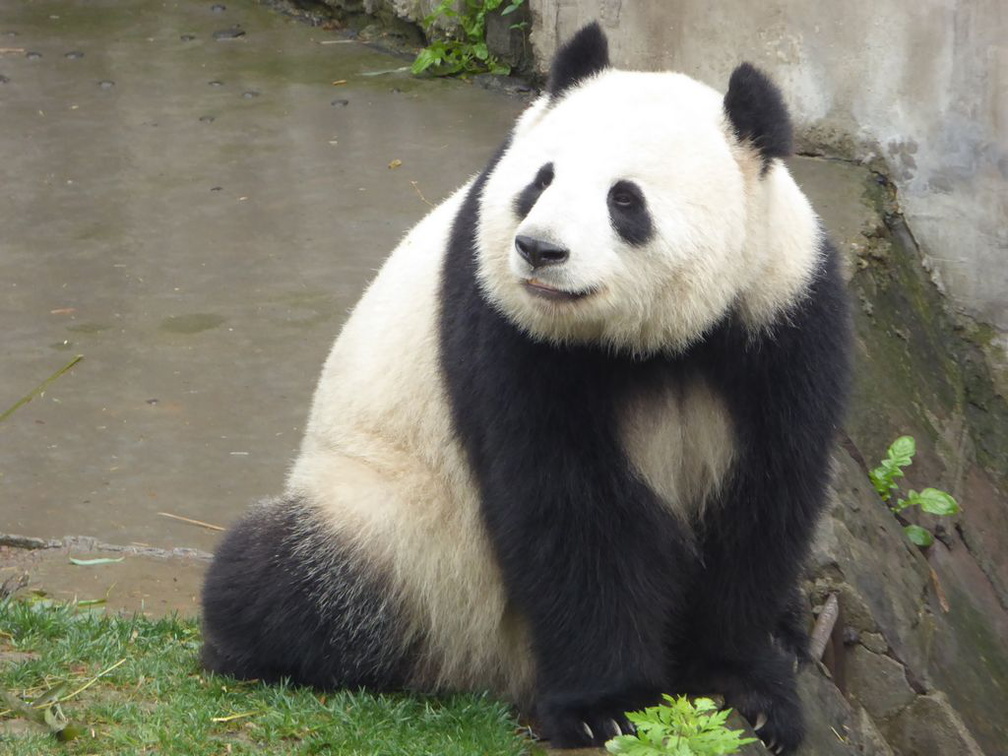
(584, 55)
(270, 614)
(623, 599)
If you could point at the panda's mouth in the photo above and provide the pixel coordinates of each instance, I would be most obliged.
(540, 288)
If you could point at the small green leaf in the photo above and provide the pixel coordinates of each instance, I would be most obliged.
(70, 732)
(936, 502)
(920, 536)
(902, 450)
(93, 562)
(883, 477)
(424, 60)
(481, 51)
(704, 704)
(512, 8)
(631, 746)
(472, 27)
(879, 482)
(54, 718)
(444, 8)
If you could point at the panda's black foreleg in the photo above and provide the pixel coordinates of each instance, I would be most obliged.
(785, 392)
(744, 632)
(791, 633)
(595, 563)
(763, 689)
(597, 576)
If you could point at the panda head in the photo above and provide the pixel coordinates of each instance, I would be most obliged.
(637, 210)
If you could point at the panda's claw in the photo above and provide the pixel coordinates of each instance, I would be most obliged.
(761, 720)
(615, 727)
(588, 731)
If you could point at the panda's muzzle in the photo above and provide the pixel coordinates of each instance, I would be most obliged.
(540, 253)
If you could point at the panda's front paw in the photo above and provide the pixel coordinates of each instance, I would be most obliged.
(776, 719)
(570, 723)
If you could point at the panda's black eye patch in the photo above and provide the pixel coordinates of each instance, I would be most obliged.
(628, 213)
(530, 194)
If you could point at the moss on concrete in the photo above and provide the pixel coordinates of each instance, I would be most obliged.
(917, 358)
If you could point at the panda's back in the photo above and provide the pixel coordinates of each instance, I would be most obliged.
(381, 388)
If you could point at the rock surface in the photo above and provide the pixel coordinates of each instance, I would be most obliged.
(924, 672)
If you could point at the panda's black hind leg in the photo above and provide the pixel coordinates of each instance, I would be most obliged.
(283, 599)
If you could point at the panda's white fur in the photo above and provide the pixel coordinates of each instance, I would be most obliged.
(709, 349)
(380, 461)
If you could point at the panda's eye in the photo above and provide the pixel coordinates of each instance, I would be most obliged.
(625, 195)
(628, 212)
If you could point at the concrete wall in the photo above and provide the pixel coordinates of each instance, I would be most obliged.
(923, 85)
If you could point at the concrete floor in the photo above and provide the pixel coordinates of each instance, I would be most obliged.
(197, 227)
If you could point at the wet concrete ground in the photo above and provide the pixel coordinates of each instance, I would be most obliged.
(195, 216)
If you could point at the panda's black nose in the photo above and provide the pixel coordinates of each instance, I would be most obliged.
(539, 253)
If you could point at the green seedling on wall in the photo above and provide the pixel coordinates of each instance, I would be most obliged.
(680, 727)
(931, 500)
(465, 50)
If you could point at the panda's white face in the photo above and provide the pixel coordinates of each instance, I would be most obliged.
(619, 215)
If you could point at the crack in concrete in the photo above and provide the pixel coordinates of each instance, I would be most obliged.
(88, 543)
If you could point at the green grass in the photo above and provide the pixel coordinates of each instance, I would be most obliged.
(158, 699)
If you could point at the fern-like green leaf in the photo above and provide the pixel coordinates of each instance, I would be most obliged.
(679, 727)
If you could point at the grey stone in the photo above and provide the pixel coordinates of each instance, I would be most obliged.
(506, 38)
(830, 728)
(884, 574)
(872, 741)
(931, 727)
(878, 683)
(874, 642)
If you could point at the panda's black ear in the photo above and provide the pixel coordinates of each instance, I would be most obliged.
(758, 114)
(584, 55)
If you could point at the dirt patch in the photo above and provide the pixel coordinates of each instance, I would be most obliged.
(147, 581)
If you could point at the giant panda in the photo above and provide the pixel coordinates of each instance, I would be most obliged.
(571, 445)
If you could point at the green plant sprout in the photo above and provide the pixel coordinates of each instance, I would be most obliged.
(465, 50)
(931, 500)
(680, 727)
